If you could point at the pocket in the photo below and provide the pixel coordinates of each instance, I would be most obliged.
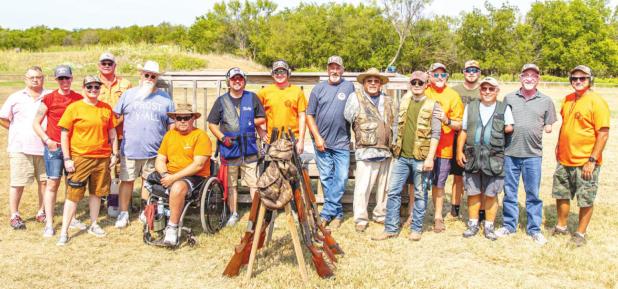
(231, 152)
(251, 145)
(368, 134)
(496, 161)
(497, 131)
(471, 163)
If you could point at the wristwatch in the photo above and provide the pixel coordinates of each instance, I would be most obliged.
(592, 160)
(448, 122)
(67, 159)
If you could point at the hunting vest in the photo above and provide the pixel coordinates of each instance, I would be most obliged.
(372, 130)
(238, 125)
(484, 147)
(422, 139)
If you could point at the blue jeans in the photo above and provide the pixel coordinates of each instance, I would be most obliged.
(530, 171)
(402, 168)
(54, 163)
(333, 166)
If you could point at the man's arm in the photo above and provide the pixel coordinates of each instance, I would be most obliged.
(461, 140)
(66, 150)
(300, 145)
(214, 129)
(313, 129)
(161, 164)
(38, 129)
(5, 123)
(599, 146)
(114, 141)
(258, 121)
(168, 179)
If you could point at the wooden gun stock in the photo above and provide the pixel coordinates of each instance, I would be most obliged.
(238, 259)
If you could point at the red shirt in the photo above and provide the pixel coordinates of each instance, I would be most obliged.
(56, 105)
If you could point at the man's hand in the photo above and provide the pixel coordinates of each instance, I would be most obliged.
(69, 165)
(319, 143)
(440, 114)
(113, 161)
(300, 147)
(461, 159)
(227, 141)
(168, 180)
(428, 165)
(587, 170)
(51, 145)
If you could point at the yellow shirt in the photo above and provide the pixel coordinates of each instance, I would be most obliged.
(282, 106)
(89, 128)
(451, 104)
(581, 120)
(180, 150)
(111, 95)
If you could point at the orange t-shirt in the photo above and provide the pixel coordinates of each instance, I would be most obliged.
(581, 120)
(450, 101)
(180, 149)
(282, 106)
(89, 127)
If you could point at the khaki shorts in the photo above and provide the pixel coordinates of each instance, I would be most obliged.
(131, 169)
(25, 168)
(248, 173)
(93, 172)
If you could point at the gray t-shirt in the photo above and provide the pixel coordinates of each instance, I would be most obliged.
(326, 105)
(530, 118)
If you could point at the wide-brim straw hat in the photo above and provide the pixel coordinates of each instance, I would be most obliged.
(184, 108)
(372, 72)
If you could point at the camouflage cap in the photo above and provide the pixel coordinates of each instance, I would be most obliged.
(420, 75)
(583, 68)
(63, 71)
(530, 66)
(490, 80)
(280, 64)
(437, 66)
(92, 79)
(472, 63)
(335, 59)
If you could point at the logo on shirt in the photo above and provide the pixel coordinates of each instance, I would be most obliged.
(341, 96)
(246, 108)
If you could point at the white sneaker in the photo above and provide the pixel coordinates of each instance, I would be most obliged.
(96, 230)
(142, 217)
(232, 220)
(77, 224)
(171, 236)
(48, 232)
(123, 220)
(539, 239)
(503, 232)
(63, 240)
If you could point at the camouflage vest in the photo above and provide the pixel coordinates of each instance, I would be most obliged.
(371, 130)
(423, 127)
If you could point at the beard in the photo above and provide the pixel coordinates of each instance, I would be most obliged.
(145, 89)
(529, 86)
(334, 78)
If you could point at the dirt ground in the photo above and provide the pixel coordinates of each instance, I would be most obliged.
(446, 260)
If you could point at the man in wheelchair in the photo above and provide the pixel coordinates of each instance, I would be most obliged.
(182, 164)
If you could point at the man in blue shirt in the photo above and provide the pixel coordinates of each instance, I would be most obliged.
(331, 135)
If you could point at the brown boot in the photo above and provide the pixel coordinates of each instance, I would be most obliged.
(360, 228)
(438, 226)
(384, 235)
(414, 236)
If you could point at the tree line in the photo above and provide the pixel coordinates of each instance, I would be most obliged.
(555, 34)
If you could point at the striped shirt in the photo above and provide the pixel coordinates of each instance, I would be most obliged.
(530, 117)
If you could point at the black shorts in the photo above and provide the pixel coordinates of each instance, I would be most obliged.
(455, 168)
(193, 182)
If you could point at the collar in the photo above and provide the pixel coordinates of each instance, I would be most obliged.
(520, 94)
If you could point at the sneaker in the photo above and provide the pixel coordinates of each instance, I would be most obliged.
(489, 232)
(335, 224)
(77, 224)
(232, 220)
(438, 226)
(123, 220)
(360, 228)
(171, 236)
(17, 223)
(578, 239)
(556, 231)
(48, 232)
(384, 235)
(142, 217)
(503, 232)
(96, 230)
(472, 230)
(539, 239)
(414, 236)
(63, 240)
(40, 217)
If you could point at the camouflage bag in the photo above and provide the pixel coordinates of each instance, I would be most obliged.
(275, 191)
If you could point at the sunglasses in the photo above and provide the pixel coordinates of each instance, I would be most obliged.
(417, 83)
(184, 118)
(107, 63)
(151, 76)
(237, 79)
(373, 81)
(63, 78)
(472, 70)
(578, 78)
(443, 75)
(281, 71)
(488, 89)
(93, 87)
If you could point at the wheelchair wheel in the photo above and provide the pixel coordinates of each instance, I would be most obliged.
(213, 209)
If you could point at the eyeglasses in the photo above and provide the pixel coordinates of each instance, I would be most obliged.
(184, 118)
(417, 83)
(472, 70)
(93, 87)
(107, 63)
(237, 79)
(31, 78)
(443, 75)
(530, 76)
(151, 76)
(488, 89)
(373, 81)
(63, 78)
(281, 71)
(578, 78)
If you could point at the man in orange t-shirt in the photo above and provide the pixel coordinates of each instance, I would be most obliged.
(182, 163)
(284, 104)
(582, 138)
(450, 115)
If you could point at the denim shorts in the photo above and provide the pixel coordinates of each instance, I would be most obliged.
(54, 163)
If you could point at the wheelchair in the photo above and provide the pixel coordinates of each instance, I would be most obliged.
(208, 198)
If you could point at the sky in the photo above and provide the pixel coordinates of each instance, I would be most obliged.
(74, 14)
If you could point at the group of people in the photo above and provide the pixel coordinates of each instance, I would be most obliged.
(416, 141)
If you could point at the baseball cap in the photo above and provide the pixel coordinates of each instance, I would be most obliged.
(236, 71)
(420, 75)
(530, 66)
(583, 68)
(472, 63)
(436, 66)
(63, 71)
(490, 80)
(335, 59)
(281, 64)
(107, 56)
(91, 79)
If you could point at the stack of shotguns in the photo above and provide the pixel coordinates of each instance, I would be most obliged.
(317, 239)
